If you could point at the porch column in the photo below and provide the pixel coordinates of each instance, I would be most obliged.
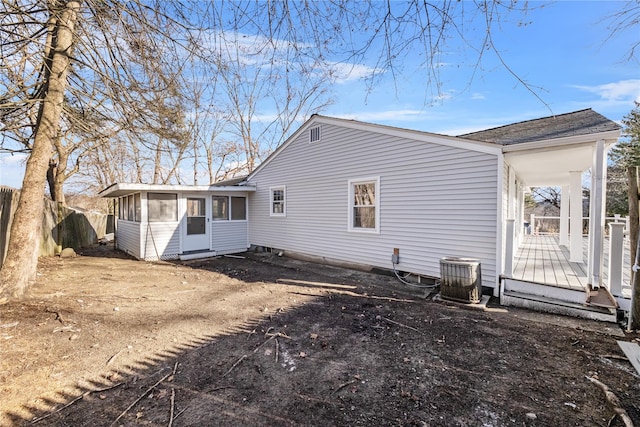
(596, 214)
(564, 216)
(575, 212)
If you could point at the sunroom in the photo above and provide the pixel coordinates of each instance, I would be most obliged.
(165, 222)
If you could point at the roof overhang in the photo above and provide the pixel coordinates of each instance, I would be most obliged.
(124, 189)
(549, 162)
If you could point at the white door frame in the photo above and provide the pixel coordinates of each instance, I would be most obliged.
(196, 235)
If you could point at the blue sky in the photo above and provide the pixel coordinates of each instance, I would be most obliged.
(562, 53)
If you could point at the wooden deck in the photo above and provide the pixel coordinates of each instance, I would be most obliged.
(541, 259)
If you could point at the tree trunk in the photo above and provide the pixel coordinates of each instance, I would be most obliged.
(24, 244)
(634, 225)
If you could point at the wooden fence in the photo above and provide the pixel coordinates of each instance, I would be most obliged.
(62, 227)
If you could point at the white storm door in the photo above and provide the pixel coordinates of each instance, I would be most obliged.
(196, 230)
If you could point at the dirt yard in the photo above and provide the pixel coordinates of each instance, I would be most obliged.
(104, 340)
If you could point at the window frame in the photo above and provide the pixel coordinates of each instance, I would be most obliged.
(273, 189)
(231, 210)
(150, 197)
(137, 200)
(351, 205)
(226, 208)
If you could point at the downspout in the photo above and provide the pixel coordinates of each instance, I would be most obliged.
(500, 250)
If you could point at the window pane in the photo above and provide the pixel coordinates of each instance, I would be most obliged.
(364, 217)
(196, 225)
(136, 200)
(238, 208)
(121, 201)
(131, 213)
(364, 194)
(220, 208)
(195, 207)
(163, 207)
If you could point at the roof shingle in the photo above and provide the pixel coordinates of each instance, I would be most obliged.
(577, 123)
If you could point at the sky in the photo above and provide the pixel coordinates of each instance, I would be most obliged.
(561, 49)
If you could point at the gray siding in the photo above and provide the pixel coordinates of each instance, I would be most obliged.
(435, 201)
(161, 240)
(128, 237)
(229, 236)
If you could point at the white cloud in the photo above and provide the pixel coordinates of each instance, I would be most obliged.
(478, 95)
(623, 90)
(345, 73)
(13, 159)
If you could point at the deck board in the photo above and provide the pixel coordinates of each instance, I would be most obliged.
(541, 259)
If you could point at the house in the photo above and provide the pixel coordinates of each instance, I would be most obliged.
(351, 192)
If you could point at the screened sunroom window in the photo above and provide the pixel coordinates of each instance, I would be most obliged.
(238, 208)
(220, 208)
(163, 207)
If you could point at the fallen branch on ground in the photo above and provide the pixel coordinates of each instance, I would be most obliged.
(613, 401)
(82, 396)
(244, 356)
(160, 381)
(340, 387)
(173, 406)
(400, 324)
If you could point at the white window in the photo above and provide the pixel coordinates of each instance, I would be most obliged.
(277, 201)
(238, 208)
(314, 134)
(225, 208)
(163, 207)
(364, 205)
(220, 208)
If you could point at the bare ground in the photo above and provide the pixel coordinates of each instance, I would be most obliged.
(105, 340)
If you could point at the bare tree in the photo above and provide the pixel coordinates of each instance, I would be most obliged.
(21, 259)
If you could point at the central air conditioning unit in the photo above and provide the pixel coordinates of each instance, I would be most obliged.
(461, 279)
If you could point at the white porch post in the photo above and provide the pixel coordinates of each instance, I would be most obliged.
(596, 214)
(509, 249)
(616, 257)
(575, 212)
(564, 215)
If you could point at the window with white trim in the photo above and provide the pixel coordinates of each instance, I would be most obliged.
(364, 205)
(162, 207)
(233, 208)
(129, 207)
(238, 208)
(220, 205)
(314, 134)
(277, 201)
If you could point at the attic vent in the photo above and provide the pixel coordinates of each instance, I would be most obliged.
(314, 134)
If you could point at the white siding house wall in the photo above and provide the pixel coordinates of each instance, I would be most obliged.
(160, 240)
(229, 237)
(435, 201)
(129, 237)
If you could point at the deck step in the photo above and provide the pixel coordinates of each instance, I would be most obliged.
(554, 305)
(197, 255)
(562, 293)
